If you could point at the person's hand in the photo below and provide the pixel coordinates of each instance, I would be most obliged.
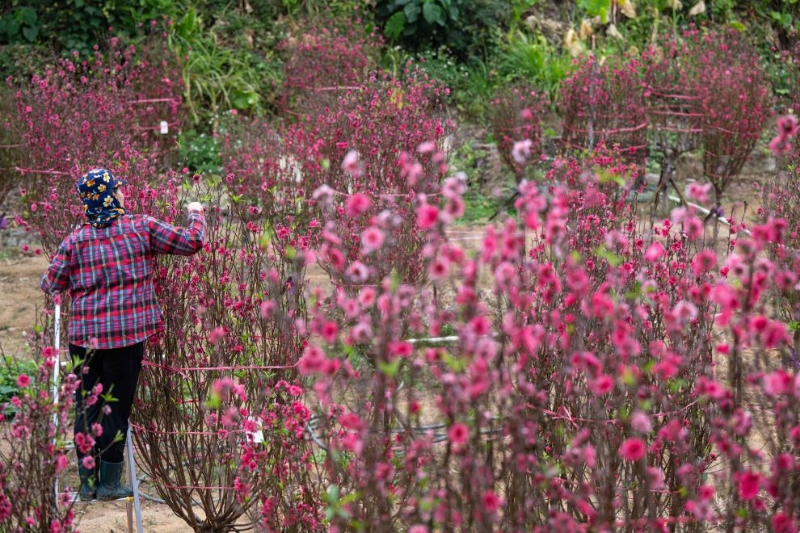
(195, 207)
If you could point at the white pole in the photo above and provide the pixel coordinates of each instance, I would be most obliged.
(56, 368)
(134, 481)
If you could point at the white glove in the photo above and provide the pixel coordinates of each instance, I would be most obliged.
(195, 207)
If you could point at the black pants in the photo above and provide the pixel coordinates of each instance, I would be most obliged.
(117, 370)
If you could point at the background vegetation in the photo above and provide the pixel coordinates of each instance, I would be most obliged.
(234, 53)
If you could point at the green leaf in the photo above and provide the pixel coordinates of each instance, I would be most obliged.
(333, 494)
(738, 26)
(596, 8)
(433, 14)
(395, 25)
(412, 13)
(30, 33)
(28, 15)
(389, 369)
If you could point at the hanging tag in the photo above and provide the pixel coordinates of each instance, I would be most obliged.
(164, 127)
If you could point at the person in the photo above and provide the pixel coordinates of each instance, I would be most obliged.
(106, 264)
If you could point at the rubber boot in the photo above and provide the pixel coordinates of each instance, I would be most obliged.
(111, 487)
(89, 480)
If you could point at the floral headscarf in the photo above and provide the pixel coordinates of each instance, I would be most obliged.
(96, 189)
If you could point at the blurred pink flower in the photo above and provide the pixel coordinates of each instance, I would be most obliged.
(632, 449)
(458, 433)
(371, 239)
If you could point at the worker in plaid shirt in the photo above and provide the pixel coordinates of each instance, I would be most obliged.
(107, 266)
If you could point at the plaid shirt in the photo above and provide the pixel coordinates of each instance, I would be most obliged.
(108, 272)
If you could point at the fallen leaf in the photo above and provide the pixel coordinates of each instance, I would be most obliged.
(612, 31)
(585, 30)
(699, 8)
(627, 8)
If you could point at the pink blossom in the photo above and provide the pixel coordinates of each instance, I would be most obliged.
(367, 297)
(491, 502)
(329, 331)
(357, 272)
(521, 150)
(61, 463)
(780, 146)
(217, 334)
(439, 269)
(23, 381)
(749, 485)
(357, 204)
(654, 252)
(632, 449)
(641, 423)
(267, 308)
(350, 164)
(426, 147)
(312, 361)
(323, 193)
(601, 385)
(787, 126)
(371, 239)
(427, 215)
(458, 433)
(698, 192)
(88, 462)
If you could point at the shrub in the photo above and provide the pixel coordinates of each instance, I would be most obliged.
(529, 413)
(736, 104)
(603, 102)
(33, 443)
(517, 117)
(89, 114)
(221, 420)
(348, 153)
(323, 64)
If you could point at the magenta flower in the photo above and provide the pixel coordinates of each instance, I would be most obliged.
(749, 485)
(458, 433)
(88, 462)
(632, 449)
(23, 381)
(654, 252)
(787, 126)
(350, 164)
(491, 502)
(427, 215)
(371, 239)
(357, 204)
(217, 334)
(780, 146)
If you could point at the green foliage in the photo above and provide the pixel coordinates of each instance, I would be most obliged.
(224, 69)
(466, 28)
(596, 8)
(78, 25)
(21, 24)
(531, 58)
(9, 372)
(200, 153)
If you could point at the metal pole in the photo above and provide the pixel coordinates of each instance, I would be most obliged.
(56, 369)
(134, 481)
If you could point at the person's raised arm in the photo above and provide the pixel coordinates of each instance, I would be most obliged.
(168, 239)
(56, 279)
